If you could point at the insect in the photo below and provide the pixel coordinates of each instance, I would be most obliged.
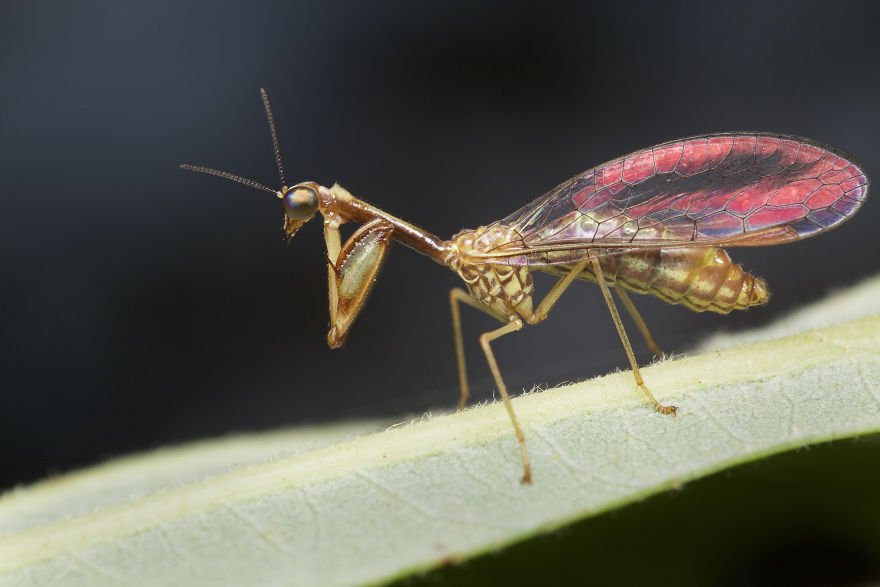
(655, 222)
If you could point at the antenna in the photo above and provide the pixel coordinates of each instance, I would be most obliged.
(227, 175)
(275, 144)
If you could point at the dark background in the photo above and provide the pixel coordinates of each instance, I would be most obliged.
(143, 305)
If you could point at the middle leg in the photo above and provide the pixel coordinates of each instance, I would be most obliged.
(485, 341)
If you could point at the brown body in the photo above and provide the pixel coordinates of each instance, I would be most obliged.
(675, 207)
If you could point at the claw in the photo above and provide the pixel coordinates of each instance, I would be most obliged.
(667, 410)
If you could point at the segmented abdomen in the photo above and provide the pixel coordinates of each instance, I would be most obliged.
(701, 278)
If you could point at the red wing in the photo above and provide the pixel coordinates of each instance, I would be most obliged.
(738, 189)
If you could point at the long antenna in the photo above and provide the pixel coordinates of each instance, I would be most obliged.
(275, 143)
(227, 175)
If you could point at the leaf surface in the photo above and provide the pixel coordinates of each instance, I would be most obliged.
(263, 510)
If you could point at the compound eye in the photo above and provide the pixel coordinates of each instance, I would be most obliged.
(300, 203)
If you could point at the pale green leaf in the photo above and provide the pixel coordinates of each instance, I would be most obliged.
(265, 510)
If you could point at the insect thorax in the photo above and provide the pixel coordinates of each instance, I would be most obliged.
(507, 289)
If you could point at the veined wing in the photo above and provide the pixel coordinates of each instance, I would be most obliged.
(731, 189)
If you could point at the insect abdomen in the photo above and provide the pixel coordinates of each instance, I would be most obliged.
(702, 279)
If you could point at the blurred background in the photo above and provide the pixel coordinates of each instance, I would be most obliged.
(143, 305)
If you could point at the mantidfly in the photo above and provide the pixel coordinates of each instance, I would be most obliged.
(654, 222)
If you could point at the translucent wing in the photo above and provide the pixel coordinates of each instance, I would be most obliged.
(736, 189)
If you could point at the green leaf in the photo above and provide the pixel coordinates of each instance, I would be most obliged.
(244, 511)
